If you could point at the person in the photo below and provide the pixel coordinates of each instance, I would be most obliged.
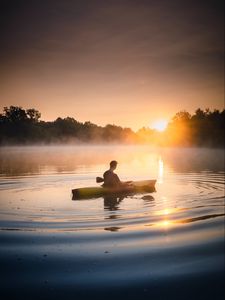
(111, 179)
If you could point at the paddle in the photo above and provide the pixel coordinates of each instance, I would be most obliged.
(99, 179)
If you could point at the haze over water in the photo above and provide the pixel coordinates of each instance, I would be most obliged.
(167, 244)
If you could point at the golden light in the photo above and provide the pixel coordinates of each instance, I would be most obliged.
(165, 224)
(160, 125)
(166, 211)
(160, 170)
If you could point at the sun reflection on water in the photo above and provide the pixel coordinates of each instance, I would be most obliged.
(166, 215)
(160, 170)
(165, 222)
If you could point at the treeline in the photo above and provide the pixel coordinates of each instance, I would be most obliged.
(204, 128)
(20, 126)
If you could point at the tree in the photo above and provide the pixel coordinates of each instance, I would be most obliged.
(181, 116)
(178, 131)
(33, 115)
(14, 114)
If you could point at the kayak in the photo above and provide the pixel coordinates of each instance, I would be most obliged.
(101, 191)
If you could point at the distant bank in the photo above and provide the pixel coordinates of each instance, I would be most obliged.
(24, 126)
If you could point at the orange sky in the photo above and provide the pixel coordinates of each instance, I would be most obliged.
(123, 62)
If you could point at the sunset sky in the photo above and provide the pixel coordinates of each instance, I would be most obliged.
(127, 62)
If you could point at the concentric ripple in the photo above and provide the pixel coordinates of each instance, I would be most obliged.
(175, 234)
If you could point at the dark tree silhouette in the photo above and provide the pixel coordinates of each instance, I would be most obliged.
(33, 115)
(204, 128)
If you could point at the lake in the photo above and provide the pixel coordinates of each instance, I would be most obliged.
(166, 245)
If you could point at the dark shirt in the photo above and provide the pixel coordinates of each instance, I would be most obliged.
(111, 179)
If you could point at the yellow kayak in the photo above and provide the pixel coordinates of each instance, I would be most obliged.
(95, 192)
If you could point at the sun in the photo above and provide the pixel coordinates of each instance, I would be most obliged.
(159, 125)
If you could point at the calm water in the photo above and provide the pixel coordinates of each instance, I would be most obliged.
(169, 244)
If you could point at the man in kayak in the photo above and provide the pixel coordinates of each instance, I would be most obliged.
(111, 179)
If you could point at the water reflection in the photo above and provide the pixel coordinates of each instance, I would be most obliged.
(184, 197)
(161, 170)
(113, 228)
(166, 222)
(148, 200)
(201, 218)
(134, 161)
(111, 202)
(185, 160)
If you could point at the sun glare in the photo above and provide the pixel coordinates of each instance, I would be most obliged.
(159, 125)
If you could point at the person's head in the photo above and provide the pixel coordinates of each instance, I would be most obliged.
(113, 164)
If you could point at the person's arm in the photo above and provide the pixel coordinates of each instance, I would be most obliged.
(116, 179)
(123, 182)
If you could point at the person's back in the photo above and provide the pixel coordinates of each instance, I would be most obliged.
(110, 178)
